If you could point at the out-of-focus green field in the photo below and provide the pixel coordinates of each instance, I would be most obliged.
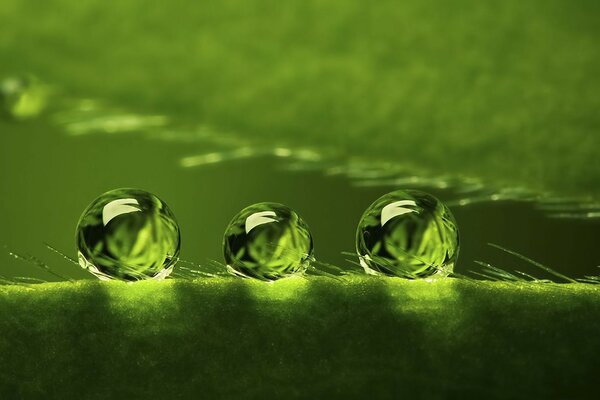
(502, 91)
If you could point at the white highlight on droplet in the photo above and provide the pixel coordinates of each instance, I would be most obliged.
(119, 207)
(259, 218)
(395, 209)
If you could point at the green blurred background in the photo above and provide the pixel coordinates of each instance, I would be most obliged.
(503, 94)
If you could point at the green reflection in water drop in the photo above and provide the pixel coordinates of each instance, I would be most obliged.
(267, 241)
(408, 233)
(128, 234)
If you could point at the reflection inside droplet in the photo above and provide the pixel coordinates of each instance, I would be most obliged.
(408, 233)
(128, 234)
(267, 241)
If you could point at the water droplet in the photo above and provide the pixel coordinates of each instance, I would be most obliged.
(267, 241)
(128, 234)
(23, 97)
(407, 233)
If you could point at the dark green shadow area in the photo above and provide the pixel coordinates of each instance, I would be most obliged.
(527, 341)
(55, 340)
(299, 338)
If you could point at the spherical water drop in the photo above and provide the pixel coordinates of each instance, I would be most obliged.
(267, 241)
(408, 233)
(128, 234)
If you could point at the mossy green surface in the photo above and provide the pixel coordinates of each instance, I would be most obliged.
(299, 338)
(502, 91)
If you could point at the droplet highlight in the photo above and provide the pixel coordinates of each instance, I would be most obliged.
(408, 233)
(128, 234)
(267, 241)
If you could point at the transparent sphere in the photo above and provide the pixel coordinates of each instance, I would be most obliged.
(128, 234)
(408, 233)
(267, 241)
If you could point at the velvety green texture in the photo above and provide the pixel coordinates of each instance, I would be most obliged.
(299, 338)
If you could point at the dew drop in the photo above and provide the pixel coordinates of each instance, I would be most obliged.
(267, 241)
(128, 234)
(407, 233)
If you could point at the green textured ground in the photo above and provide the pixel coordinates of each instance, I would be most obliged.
(503, 91)
(298, 338)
